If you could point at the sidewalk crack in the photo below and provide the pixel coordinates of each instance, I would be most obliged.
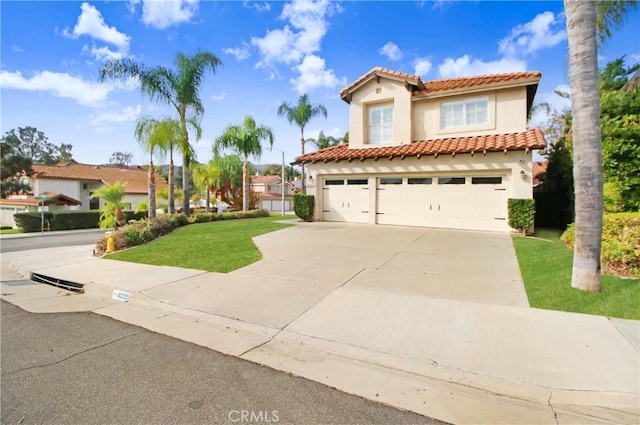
(69, 357)
(555, 414)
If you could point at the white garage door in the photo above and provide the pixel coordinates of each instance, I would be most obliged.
(345, 200)
(457, 202)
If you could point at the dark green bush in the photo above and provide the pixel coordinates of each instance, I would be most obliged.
(201, 217)
(620, 243)
(67, 220)
(31, 221)
(132, 215)
(303, 206)
(521, 213)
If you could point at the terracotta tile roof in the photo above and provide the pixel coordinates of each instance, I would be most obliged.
(537, 169)
(55, 198)
(449, 84)
(263, 179)
(136, 177)
(530, 139)
(445, 85)
(382, 71)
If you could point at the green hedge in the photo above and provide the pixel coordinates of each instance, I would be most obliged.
(31, 221)
(303, 206)
(620, 243)
(66, 220)
(521, 213)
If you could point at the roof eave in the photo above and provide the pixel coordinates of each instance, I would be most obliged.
(480, 88)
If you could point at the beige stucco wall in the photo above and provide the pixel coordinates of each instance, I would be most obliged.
(510, 165)
(507, 114)
(71, 188)
(378, 93)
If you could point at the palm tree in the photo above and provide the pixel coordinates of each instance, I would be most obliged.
(179, 89)
(230, 170)
(323, 142)
(111, 214)
(165, 136)
(245, 140)
(300, 115)
(205, 176)
(147, 138)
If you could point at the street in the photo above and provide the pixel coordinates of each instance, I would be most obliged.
(84, 368)
(50, 240)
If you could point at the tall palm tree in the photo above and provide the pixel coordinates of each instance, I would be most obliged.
(300, 115)
(178, 88)
(205, 177)
(245, 140)
(587, 143)
(146, 135)
(111, 214)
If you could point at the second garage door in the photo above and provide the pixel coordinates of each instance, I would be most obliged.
(457, 202)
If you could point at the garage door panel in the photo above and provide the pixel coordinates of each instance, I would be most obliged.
(345, 200)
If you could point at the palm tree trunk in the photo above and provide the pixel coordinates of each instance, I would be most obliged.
(302, 176)
(185, 188)
(587, 143)
(245, 184)
(208, 199)
(152, 190)
(172, 183)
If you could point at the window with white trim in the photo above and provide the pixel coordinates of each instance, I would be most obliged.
(465, 112)
(381, 124)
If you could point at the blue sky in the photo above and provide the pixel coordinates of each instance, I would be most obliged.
(52, 51)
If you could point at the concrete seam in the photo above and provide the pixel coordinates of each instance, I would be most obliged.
(622, 334)
(71, 356)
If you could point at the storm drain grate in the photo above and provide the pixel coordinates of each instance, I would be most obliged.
(59, 283)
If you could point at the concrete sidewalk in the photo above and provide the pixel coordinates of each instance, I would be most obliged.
(428, 320)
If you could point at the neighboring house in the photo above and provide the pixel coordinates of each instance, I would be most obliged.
(268, 190)
(443, 153)
(538, 169)
(73, 184)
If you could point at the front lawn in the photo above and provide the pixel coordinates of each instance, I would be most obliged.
(9, 231)
(546, 265)
(220, 246)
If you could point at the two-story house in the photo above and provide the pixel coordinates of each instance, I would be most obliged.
(268, 190)
(443, 153)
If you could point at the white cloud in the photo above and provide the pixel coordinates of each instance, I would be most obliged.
(241, 53)
(91, 23)
(300, 37)
(260, 7)
(164, 13)
(17, 49)
(465, 66)
(545, 30)
(391, 51)
(218, 96)
(58, 84)
(557, 104)
(635, 57)
(422, 66)
(314, 75)
(126, 114)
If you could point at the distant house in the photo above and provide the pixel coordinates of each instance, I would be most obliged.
(70, 186)
(268, 190)
(538, 169)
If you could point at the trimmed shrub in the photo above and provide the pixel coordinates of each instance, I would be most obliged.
(201, 217)
(67, 220)
(620, 243)
(521, 213)
(135, 215)
(31, 221)
(303, 206)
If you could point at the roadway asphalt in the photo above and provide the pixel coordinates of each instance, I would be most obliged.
(83, 368)
(26, 241)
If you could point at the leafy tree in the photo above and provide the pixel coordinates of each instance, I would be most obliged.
(245, 140)
(13, 164)
(272, 170)
(300, 115)
(204, 177)
(31, 143)
(291, 173)
(122, 159)
(610, 14)
(229, 180)
(178, 88)
(111, 214)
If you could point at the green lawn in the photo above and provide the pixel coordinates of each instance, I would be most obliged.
(220, 246)
(546, 265)
(9, 231)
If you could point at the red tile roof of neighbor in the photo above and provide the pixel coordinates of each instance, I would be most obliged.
(135, 177)
(537, 169)
(530, 139)
(263, 179)
(438, 87)
(53, 198)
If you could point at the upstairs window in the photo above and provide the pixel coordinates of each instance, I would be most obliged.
(381, 124)
(463, 113)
